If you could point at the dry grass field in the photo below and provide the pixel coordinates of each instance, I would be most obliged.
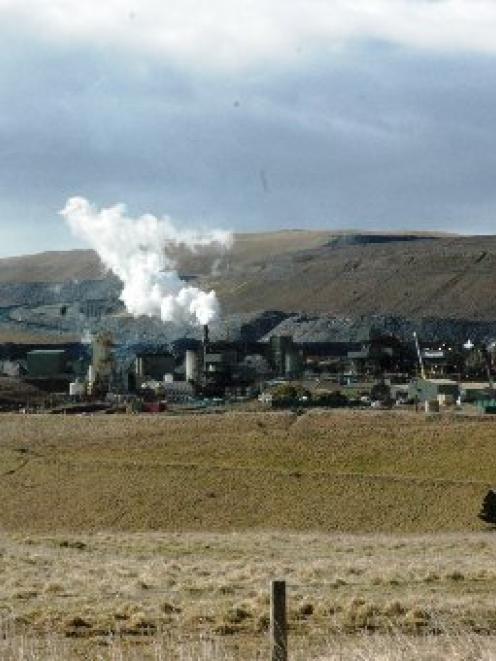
(344, 471)
(135, 537)
(205, 596)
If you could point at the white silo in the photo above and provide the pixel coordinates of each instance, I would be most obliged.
(191, 366)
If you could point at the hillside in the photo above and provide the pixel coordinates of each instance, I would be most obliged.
(352, 472)
(58, 266)
(441, 285)
(319, 272)
(53, 266)
(442, 277)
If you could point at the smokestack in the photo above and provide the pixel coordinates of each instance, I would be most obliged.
(205, 351)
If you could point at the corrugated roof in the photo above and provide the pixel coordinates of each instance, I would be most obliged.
(46, 351)
(441, 382)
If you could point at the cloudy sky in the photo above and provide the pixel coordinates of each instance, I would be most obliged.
(248, 114)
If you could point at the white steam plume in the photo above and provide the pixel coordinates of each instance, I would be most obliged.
(136, 251)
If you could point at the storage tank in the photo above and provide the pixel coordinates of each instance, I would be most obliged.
(139, 367)
(291, 364)
(191, 365)
(280, 345)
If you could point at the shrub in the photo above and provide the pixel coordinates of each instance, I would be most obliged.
(488, 510)
(335, 399)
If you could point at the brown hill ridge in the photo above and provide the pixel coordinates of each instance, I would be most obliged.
(248, 249)
(51, 266)
(343, 273)
(448, 277)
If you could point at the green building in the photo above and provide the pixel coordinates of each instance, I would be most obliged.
(46, 363)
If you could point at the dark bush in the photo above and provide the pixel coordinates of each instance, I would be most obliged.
(334, 399)
(488, 511)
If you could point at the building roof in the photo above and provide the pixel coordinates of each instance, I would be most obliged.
(439, 382)
(472, 385)
(51, 352)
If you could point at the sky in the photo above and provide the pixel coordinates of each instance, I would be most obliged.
(248, 115)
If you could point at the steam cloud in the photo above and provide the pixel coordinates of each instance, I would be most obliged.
(138, 252)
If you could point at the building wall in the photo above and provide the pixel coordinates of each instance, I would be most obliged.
(46, 363)
(426, 390)
(156, 365)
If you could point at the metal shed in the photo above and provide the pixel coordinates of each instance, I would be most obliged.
(46, 362)
(428, 390)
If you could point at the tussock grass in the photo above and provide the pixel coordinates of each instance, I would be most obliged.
(159, 591)
(95, 560)
(395, 646)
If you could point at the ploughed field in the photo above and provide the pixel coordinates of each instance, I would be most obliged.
(134, 537)
(322, 471)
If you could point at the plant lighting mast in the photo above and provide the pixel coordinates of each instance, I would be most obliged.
(419, 355)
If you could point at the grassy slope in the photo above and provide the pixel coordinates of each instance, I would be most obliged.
(301, 271)
(51, 266)
(444, 278)
(57, 266)
(330, 471)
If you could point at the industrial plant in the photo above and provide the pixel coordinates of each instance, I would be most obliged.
(383, 371)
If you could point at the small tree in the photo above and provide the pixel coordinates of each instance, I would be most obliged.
(380, 391)
(284, 393)
(488, 511)
(287, 394)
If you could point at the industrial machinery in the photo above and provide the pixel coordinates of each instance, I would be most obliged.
(102, 368)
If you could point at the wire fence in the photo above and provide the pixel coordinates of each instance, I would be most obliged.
(289, 630)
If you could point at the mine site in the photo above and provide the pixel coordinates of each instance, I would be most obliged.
(159, 476)
(247, 330)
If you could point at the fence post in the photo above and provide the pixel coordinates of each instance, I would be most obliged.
(278, 631)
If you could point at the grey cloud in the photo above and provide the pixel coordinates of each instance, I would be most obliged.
(376, 137)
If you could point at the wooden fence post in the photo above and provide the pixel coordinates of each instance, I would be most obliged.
(278, 630)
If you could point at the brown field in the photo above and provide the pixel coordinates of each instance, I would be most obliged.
(347, 472)
(156, 537)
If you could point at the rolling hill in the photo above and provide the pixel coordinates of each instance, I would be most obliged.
(346, 275)
(448, 277)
